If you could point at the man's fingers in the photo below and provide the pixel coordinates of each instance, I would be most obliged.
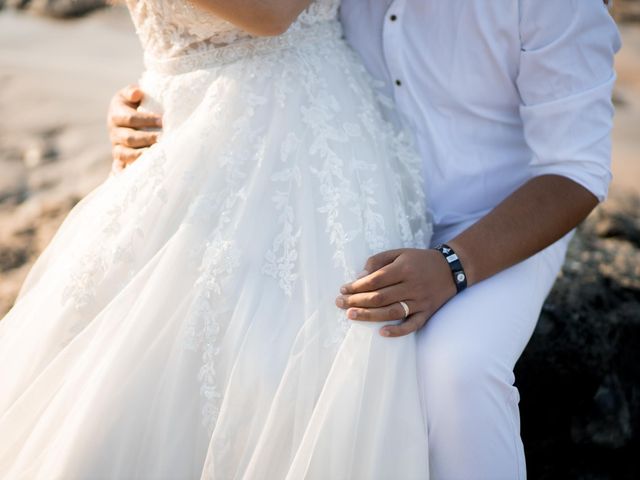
(382, 314)
(412, 324)
(129, 137)
(126, 155)
(128, 127)
(117, 166)
(384, 277)
(376, 273)
(126, 116)
(132, 94)
(381, 259)
(378, 298)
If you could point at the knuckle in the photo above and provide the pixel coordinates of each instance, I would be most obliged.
(118, 119)
(377, 299)
(374, 282)
(133, 154)
(412, 323)
(404, 329)
(122, 153)
(406, 269)
(369, 264)
(150, 138)
(124, 120)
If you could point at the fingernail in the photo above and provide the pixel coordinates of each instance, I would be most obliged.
(340, 301)
(384, 332)
(352, 314)
(343, 289)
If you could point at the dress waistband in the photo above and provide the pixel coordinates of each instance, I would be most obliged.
(250, 47)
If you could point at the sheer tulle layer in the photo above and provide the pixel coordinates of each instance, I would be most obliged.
(181, 323)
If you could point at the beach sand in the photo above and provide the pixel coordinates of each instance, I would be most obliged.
(626, 132)
(56, 78)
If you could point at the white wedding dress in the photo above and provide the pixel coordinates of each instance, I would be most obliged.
(181, 324)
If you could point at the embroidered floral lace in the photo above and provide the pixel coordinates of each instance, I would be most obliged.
(170, 29)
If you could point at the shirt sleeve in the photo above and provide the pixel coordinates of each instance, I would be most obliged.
(565, 81)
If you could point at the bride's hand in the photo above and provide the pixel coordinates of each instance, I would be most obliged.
(420, 278)
(129, 128)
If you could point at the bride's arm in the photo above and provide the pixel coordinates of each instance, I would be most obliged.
(258, 17)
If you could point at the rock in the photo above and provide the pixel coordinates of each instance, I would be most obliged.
(17, 3)
(58, 8)
(626, 10)
(13, 182)
(579, 377)
(38, 153)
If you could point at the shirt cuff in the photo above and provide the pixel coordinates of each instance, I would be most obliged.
(571, 136)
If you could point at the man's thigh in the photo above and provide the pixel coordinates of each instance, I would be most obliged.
(498, 315)
(466, 355)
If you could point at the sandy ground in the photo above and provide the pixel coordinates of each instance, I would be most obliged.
(56, 78)
(626, 132)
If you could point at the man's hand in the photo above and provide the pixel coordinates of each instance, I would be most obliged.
(420, 278)
(131, 131)
(533, 217)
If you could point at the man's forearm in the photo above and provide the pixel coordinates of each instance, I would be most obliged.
(531, 218)
(534, 216)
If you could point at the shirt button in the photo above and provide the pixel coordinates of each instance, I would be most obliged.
(398, 83)
(393, 18)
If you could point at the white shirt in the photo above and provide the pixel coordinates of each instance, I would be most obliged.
(496, 91)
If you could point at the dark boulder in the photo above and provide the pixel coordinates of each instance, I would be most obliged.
(57, 8)
(579, 377)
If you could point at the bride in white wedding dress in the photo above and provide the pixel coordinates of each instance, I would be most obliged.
(181, 324)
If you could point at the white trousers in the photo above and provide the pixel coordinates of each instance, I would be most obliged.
(466, 355)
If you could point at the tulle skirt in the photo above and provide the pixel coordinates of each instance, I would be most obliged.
(181, 324)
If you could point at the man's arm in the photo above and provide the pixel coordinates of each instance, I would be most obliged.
(537, 214)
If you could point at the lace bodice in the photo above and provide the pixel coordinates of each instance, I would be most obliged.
(173, 28)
